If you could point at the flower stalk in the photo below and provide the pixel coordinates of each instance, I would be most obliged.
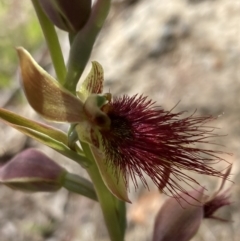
(81, 47)
(112, 208)
(77, 184)
(83, 42)
(52, 42)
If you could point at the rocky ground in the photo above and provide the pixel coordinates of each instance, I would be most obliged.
(174, 51)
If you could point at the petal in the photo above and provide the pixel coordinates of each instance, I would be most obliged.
(225, 177)
(215, 203)
(46, 95)
(179, 219)
(114, 181)
(84, 132)
(93, 84)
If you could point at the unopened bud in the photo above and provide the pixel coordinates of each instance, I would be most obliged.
(70, 16)
(32, 171)
(179, 219)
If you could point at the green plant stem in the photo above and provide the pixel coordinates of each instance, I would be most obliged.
(83, 42)
(80, 185)
(109, 204)
(52, 42)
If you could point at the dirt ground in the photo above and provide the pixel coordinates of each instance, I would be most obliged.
(185, 51)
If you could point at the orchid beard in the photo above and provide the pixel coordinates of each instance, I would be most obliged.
(144, 139)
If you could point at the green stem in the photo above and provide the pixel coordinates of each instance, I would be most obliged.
(80, 185)
(111, 206)
(83, 42)
(52, 42)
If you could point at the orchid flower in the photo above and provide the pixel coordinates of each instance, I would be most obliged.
(128, 136)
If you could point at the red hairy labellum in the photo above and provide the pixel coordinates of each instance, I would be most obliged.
(146, 139)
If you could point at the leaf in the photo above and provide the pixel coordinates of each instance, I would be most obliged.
(46, 95)
(45, 134)
(93, 84)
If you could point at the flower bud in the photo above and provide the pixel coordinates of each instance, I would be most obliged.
(32, 171)
(179, 219)
(70, 16)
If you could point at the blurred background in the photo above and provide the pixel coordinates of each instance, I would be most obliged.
(185, 51)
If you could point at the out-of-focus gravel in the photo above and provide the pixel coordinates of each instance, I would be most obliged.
(170, 50)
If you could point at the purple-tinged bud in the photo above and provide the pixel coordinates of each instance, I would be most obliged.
(32, 171)
(179, 219)
(70, 16)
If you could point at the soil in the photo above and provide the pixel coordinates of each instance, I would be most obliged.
(183, 54)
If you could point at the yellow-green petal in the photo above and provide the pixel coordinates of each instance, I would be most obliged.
(93, 84)
(112, 179)
(46, 95)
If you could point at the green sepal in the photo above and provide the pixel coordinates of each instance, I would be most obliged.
(45, 134)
